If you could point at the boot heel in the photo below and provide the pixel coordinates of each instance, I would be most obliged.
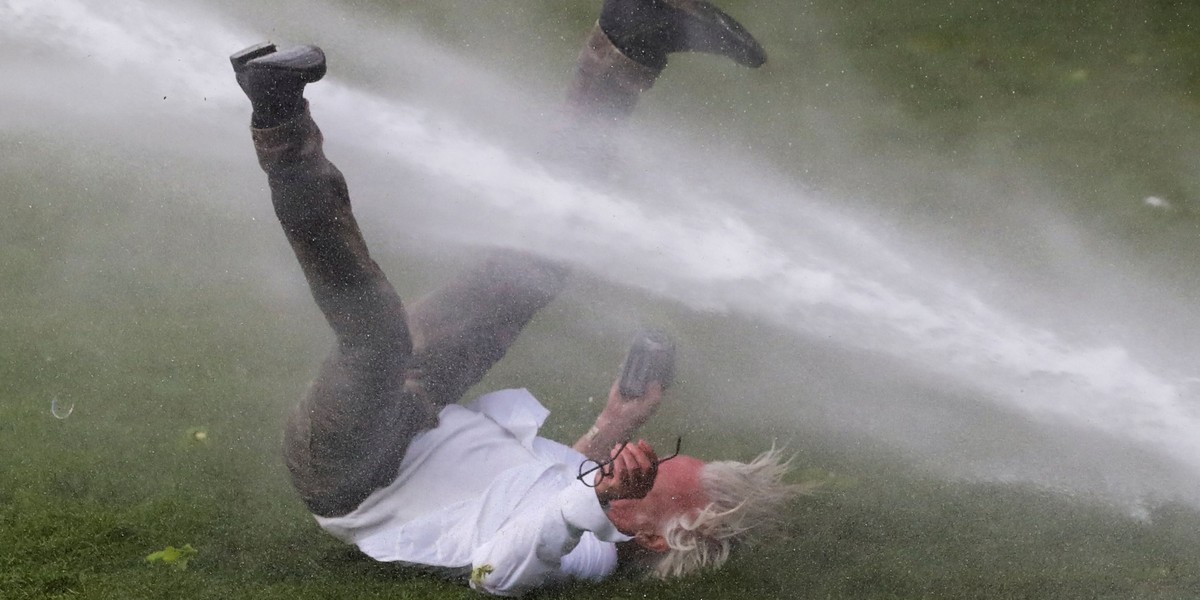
(241, 57)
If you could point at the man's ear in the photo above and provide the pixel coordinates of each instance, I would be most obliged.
(651, 541)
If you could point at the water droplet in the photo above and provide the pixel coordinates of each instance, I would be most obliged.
(1156, 202)
(58, 410)
(198, 435)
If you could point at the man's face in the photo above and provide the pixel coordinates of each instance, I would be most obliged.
(676, 491)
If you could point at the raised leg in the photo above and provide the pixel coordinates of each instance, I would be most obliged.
(348, 435)
(464, 328)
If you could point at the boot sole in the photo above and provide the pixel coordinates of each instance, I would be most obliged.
(305, 62)
(715, 32)
(245, 55)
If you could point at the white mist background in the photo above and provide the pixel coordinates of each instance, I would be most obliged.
(444, 149)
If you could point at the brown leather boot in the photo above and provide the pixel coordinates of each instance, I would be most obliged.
(274, 80)
(648, 30)
(628, 48)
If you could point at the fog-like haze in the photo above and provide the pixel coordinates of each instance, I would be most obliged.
(1081, 384)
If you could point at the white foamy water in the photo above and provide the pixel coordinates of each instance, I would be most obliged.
(807, 267)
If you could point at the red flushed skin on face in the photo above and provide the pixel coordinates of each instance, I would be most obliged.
(676, 491)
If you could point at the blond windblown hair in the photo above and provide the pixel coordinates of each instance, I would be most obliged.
(745, 501)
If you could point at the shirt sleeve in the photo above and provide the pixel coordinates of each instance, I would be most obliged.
(528, 549)
(591, 560)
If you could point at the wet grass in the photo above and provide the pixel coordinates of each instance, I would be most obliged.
(154, 336)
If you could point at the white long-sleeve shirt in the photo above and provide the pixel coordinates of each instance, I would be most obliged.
(483, 491)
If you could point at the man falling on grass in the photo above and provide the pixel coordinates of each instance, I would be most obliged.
(380, 450)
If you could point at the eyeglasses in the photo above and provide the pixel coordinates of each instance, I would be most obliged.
(605, 466)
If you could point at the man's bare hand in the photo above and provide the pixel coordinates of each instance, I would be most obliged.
(620, 420)
(631, 474)
(646, 372)
(629, 413)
